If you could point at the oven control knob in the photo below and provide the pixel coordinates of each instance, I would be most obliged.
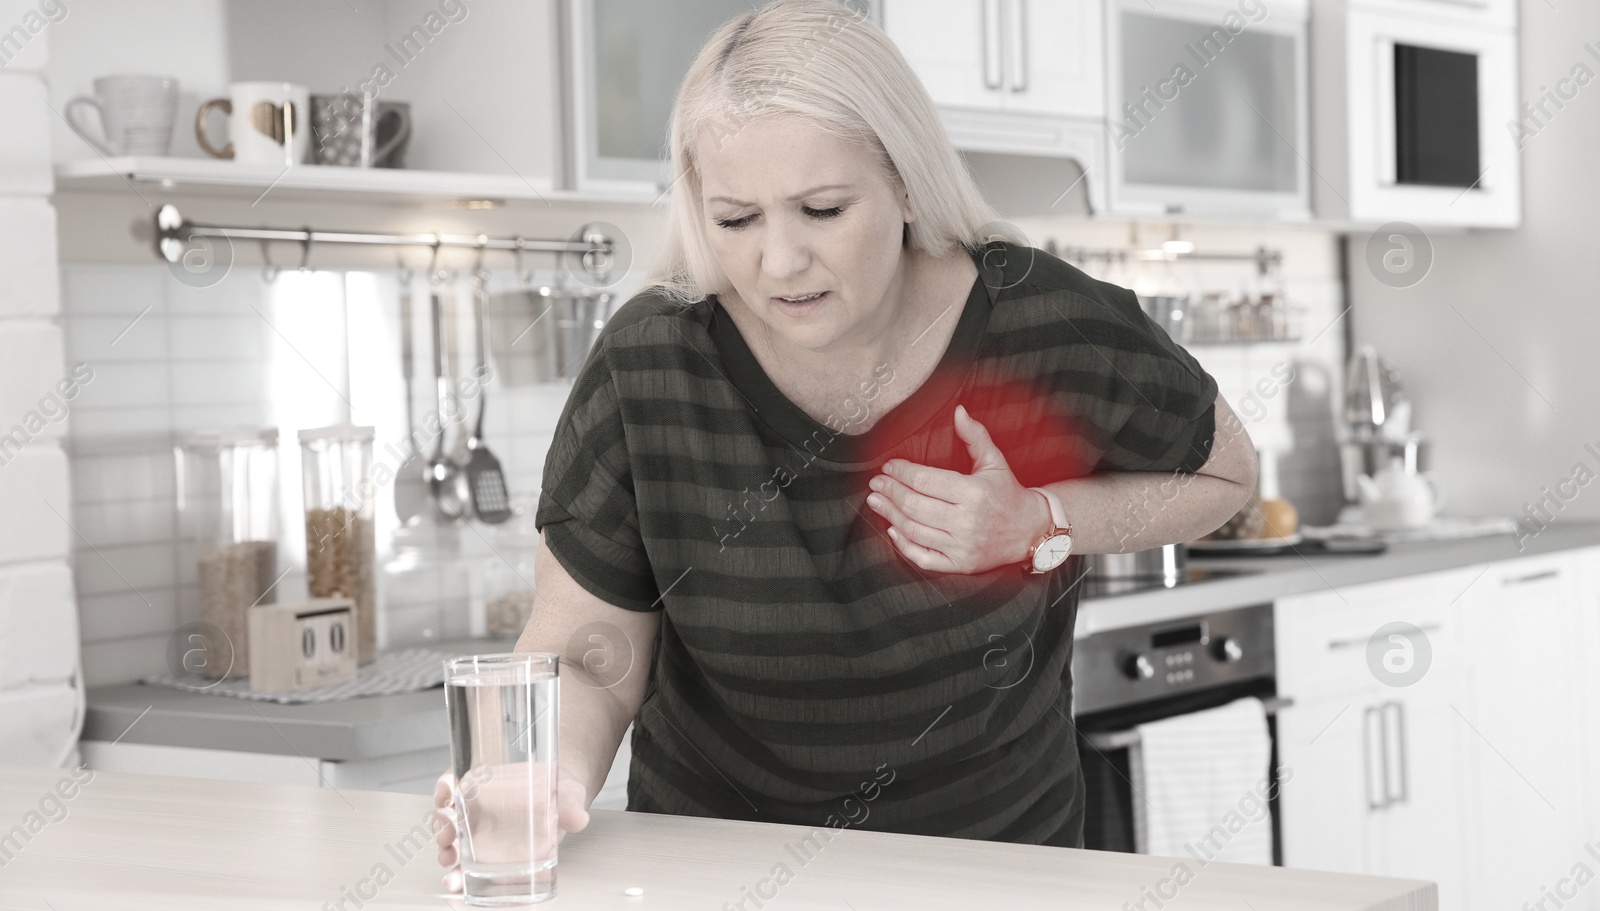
(1138, 667)
(1227, 650)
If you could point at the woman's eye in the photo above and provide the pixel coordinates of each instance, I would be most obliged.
(734, 223)
(737, 223)
(824, 213)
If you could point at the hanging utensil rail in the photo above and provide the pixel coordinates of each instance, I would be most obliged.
(174, 234)
(1265, 258)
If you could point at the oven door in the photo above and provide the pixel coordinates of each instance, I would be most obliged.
(1106, 739)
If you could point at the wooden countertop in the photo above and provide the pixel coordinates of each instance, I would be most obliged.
(143, 842)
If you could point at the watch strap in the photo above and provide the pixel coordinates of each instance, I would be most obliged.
(1058, 513)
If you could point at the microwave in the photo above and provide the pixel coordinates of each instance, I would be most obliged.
(1207, 109)
(1413, 107)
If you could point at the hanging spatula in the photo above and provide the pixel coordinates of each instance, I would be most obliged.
(410, 483)
(488, 483)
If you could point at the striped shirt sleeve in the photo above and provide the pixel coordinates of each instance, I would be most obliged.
(1171, 425)
(587, 509)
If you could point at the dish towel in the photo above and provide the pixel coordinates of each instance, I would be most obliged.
(401, 671)
(1201, 782)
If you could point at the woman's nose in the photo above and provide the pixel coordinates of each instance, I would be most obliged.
(784, 252)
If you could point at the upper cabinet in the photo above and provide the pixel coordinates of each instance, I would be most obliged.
(1416, 112)
(624, 61)
(1356, 112)
(1040, 57)
(1208, 109)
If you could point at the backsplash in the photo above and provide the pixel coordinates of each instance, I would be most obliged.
(308, 349)
(299, 350)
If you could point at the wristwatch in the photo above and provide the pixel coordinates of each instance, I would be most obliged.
(1054, 546)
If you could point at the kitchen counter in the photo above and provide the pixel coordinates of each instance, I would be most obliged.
(379, 726)
(137, 842)
(354, 729)
(1293, 574)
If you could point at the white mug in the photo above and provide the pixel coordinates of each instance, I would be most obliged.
(136, 114)
(268, 123)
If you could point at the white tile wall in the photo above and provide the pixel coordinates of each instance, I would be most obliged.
(40, 686)
(27, 240)
(30, 369)
(37, 506)
(26, 24)
(38, 627)
(24, 143)
(38, 719)
(302, 350)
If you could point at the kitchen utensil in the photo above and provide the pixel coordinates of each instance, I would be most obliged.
(484, 479)
(267, 123)
(580, 315)
(1374, 395)
(1165, 562)
(504, 714)
(445, 480)
(1398, 499)
(410, 483)
(1369, 458)
(136, 114)
(359, 131)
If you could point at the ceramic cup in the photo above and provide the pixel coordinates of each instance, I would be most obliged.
(136, 114)
(268, 123)
(359, 131)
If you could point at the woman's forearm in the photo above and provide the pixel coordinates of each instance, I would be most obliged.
(1122, 511)
(598, 699)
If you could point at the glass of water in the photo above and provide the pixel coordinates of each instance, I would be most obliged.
(503, 727)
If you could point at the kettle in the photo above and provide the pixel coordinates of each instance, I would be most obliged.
(1398, 499)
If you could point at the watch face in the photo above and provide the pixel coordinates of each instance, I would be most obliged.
(1053, 552)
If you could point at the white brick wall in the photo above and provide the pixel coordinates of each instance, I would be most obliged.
(40, 683)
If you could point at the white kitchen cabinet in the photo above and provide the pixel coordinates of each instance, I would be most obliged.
(1501, 13)
(1378, 773)
(1526, 726)
(1207, 109)
(1472, 776)
(1417, 114)
(1023, 56)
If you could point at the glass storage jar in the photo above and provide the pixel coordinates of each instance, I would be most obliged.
(336, 464)
(506, 583)
(426, 586)
(227, 492)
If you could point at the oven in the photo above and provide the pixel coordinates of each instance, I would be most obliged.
(1138, 674)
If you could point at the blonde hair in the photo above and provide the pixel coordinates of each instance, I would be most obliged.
(820, 61)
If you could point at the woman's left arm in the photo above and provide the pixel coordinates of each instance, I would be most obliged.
(945, 521)
(1123, 511)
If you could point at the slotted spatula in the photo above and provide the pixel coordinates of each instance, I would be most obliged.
(484, 477)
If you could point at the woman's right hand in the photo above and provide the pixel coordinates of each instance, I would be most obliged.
(491, 791)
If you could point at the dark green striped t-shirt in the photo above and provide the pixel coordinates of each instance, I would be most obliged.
(806, 672)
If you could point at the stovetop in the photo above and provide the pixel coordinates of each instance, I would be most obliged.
(1106, 588)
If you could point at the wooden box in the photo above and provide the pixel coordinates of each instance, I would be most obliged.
(301, 645)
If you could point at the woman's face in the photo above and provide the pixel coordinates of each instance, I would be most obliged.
(792, 210)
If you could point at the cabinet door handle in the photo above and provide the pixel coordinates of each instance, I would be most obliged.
(993, 67)
(1361, 641)
(1372, 720)
(1403, 794)
(1018, 56)
(1531, 577)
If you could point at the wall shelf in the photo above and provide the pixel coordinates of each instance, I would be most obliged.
(251, 181)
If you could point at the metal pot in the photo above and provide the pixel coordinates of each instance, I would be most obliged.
(1166, 562)
(1356, 459)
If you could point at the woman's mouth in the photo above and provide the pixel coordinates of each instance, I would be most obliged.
(801, 305)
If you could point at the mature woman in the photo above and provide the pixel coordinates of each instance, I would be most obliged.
(831, 476)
